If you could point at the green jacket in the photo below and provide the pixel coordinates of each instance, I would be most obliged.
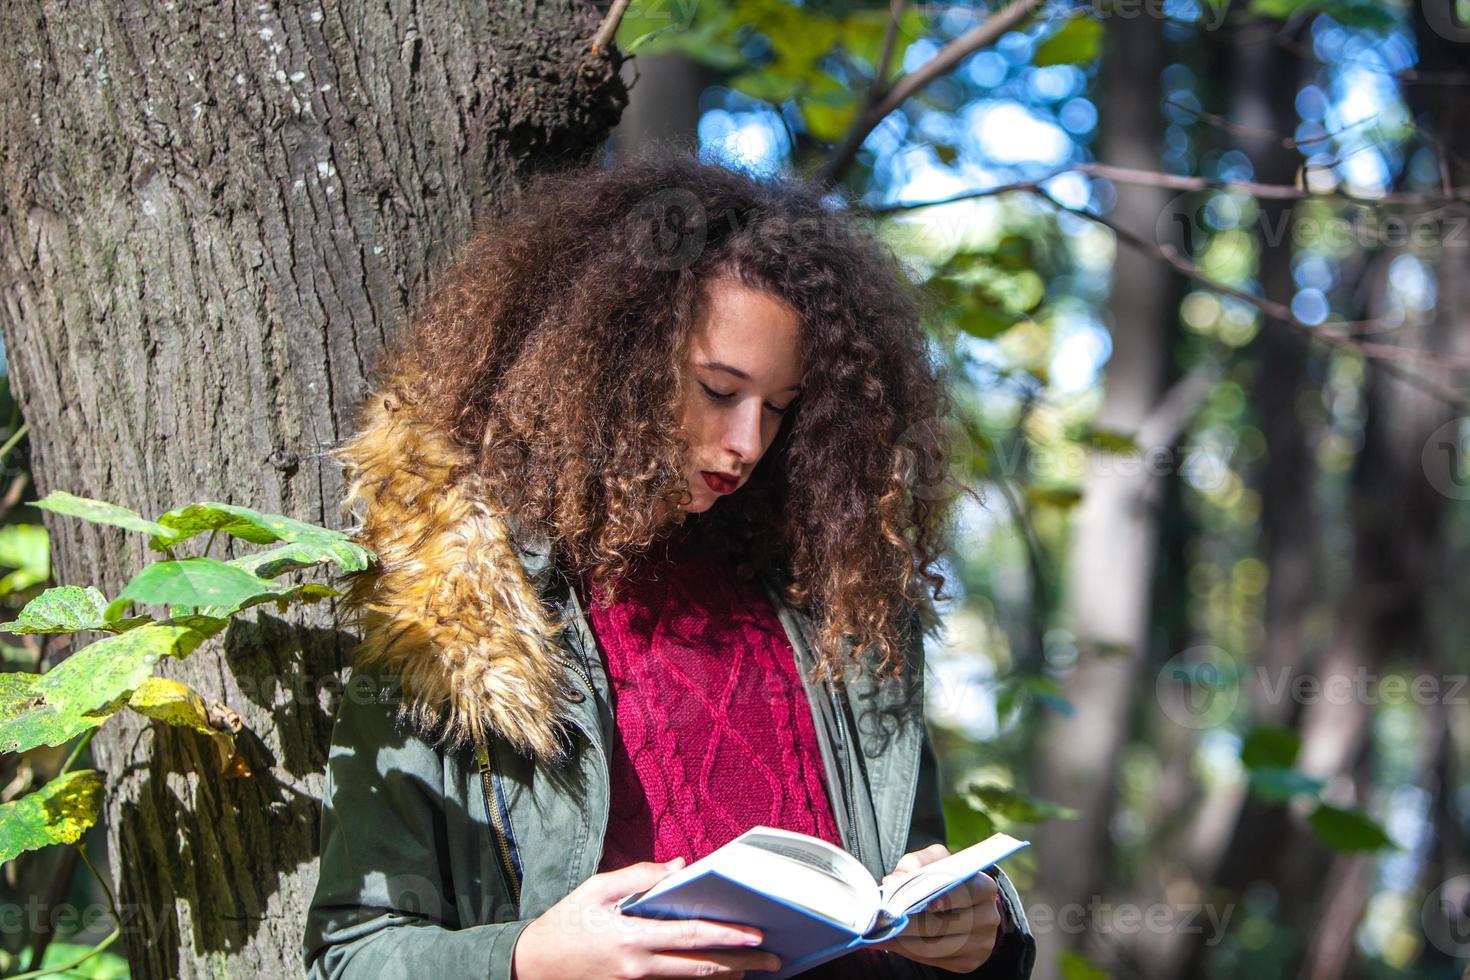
(467, 785)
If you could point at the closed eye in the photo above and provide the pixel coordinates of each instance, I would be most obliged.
(724, 396)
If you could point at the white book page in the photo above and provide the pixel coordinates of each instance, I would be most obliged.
(802, 870)
(913, 890)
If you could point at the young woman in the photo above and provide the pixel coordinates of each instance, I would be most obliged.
(646, 479)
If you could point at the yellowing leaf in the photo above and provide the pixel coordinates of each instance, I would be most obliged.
(179, 704)
(57, 813)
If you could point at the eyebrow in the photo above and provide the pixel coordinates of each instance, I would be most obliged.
(720, 366)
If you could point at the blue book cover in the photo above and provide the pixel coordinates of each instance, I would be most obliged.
(814, 902)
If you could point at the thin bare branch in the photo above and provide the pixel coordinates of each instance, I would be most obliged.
(1178, 182)
(609, 27)
(1271, 309)
(982, 35)
(885, 57)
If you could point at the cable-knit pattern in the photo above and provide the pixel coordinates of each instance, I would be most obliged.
(715, 731)
(716, 734)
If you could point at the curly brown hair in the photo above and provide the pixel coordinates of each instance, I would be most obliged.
(551, 349)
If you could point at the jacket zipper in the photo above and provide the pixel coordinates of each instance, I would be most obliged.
(498, 823)
(576, 664)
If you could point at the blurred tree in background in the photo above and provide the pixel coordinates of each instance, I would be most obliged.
(1201, 268)
(1200, 271)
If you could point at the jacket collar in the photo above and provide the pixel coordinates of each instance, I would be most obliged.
(454, 612)
(465, 611)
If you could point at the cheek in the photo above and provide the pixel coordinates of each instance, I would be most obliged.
(695, 426)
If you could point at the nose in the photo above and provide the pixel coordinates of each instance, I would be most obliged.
(743, 433)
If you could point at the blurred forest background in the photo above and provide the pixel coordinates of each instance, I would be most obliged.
(1202, 274)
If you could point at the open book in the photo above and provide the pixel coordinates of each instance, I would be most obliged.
(813, 901)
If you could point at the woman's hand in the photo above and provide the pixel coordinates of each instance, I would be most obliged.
(958, 930)
(583, 936)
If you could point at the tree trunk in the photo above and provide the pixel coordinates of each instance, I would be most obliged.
(212, 216)
(1110, 565)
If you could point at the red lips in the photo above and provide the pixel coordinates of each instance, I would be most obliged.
(720, 482)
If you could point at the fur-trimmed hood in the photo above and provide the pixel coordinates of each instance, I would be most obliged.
(449, 612)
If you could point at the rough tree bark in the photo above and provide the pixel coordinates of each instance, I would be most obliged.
(212, 215)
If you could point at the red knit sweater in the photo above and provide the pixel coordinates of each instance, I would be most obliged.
(716, 734)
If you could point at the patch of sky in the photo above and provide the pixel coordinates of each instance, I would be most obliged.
(1008, 132)
(1312, 103)
(920, 51)
(1081, 346)
(1311, 270)
(1053, 83)
(1017, 48)
(986, 69)
(1078, 116)
(1310, 306)
(745, 132)
(1234, 165)
(1413, 283)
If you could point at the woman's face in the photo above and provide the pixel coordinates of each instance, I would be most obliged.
(742, 371)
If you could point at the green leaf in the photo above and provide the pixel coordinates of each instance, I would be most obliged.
(1015, 806)
(863, 32)
(195, 583)
(963, 823)
(1041, 690)
(768, 86)
(57, 813)
(1270, 746)
(105, 965)
(307, 592)
(828, 108)
(27, 549)
(86, 688)
(1062, 498)
(98, 512)
(316, 543)
(344, 554)
(1282, 9)
(1075, 966)
(1076, 41)
(1109, 441)
(1047, 692)
(64, 609)
(1347, 831)
(1281, 783)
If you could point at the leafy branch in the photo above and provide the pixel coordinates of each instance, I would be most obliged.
(200, 595)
